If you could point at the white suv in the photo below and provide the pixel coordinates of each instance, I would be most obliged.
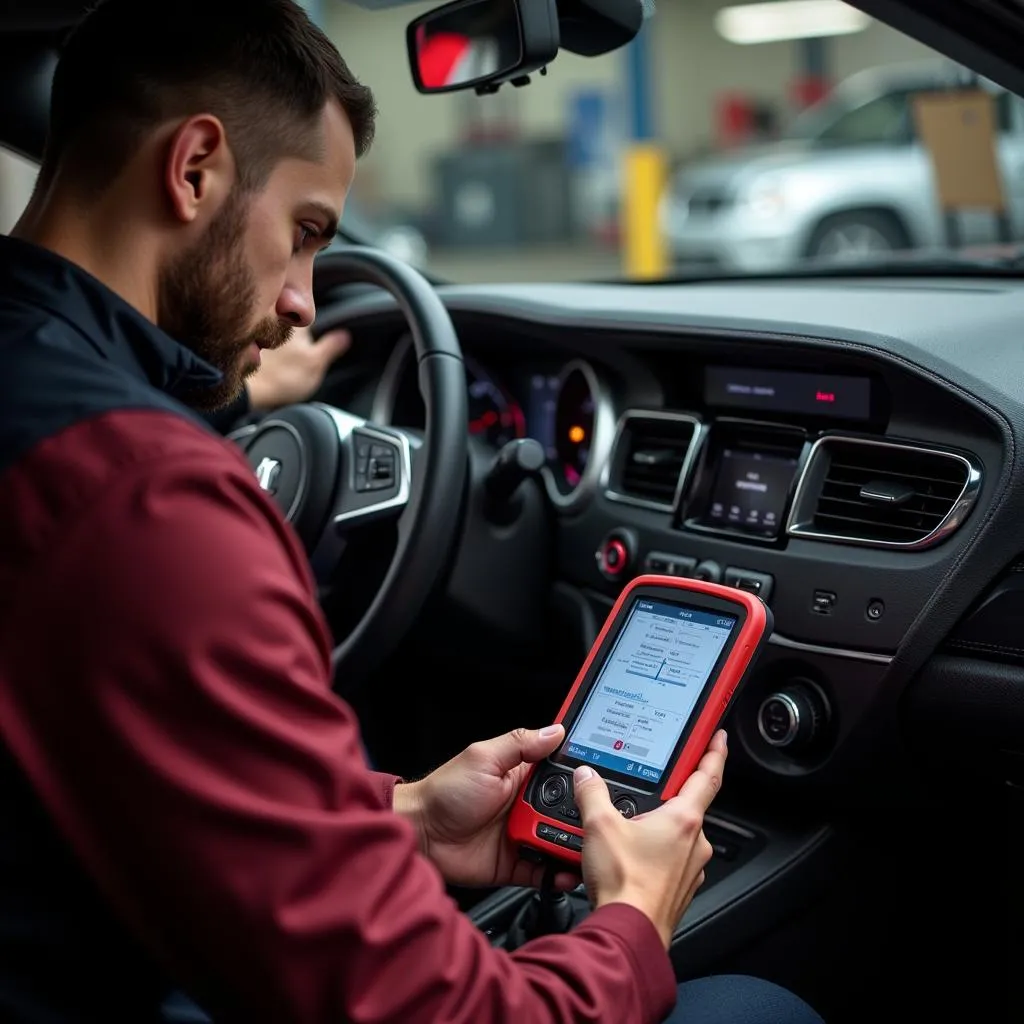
(850, 180)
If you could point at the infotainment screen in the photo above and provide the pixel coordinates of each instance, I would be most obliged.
(648, 688)
(749, 491)
(807, 394)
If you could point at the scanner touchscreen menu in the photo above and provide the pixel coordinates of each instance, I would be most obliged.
(648, 688)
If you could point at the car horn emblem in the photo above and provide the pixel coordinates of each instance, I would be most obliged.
(267, 473)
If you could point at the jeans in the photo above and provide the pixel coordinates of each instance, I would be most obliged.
(738, 999)
(720, 999)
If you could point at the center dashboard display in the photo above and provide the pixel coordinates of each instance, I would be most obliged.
(750, 490)
(648, 688)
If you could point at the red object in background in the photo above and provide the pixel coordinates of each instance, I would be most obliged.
(734, 119)
(438, 56)
(808, 89)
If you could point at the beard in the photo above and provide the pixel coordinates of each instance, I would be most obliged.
(205, 302)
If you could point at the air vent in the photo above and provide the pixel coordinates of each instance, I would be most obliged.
(882, 494)
(652, 454)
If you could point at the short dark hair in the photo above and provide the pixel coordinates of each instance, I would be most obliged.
(261, 66)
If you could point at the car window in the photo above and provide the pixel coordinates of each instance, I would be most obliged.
(885, 119)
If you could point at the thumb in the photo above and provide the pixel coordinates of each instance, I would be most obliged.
(590, 792)
(333, 345)
(513, 748)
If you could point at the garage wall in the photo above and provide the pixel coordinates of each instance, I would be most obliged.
(692, 65)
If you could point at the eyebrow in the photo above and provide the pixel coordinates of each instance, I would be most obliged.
(329, 216)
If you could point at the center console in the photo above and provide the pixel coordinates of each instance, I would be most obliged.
(756, 875)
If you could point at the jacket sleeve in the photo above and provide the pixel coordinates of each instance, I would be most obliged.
(183, 736)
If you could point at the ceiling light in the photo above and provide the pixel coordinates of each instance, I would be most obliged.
(788, 19)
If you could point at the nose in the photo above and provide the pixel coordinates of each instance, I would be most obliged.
(295, 304)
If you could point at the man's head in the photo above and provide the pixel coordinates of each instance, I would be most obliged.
(227, 131)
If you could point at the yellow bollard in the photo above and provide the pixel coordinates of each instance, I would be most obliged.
(644, 253)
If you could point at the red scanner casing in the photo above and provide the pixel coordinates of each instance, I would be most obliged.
(753, 628)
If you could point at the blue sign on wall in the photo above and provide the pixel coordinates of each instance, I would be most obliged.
(588, 128)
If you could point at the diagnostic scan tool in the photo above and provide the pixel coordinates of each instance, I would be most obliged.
(660, 677)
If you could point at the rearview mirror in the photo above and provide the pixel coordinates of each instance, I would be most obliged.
(480, 44)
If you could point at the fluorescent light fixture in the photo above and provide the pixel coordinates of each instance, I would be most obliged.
(779, 20)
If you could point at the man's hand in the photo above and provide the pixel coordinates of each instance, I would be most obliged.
(294, 372)
(460, 810)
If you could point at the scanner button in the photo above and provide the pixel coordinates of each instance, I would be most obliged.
(548, 832)
(571, 811)
(553, 790)
(625, 806)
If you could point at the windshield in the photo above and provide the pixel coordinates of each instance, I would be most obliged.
(716, 142)
(709, 144)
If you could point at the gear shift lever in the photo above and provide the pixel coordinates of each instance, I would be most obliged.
(549, 911)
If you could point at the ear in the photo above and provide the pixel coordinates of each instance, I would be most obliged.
(199, 170)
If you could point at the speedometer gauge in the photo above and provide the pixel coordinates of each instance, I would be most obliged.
(493, 414)
(574, 427)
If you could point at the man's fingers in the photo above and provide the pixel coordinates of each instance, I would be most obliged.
(701, 788)
(591, 795)
(521, 745)
(332, 345)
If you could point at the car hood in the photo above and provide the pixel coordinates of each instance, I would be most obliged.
(723, 171)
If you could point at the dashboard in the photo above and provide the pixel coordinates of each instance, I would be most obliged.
(846, 450)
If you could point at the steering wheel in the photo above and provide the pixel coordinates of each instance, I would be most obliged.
(332, 472)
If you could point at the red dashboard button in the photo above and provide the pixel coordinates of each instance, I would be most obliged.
(615, 557)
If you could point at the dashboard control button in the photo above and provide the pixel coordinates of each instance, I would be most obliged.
(659, 564)
(793, 717)
(823, 602)
(663, 563)
(709, 571)
(553, 790)
(758, 583)
(875, 609)
(626, 806)
(615, 554)
(682, 566)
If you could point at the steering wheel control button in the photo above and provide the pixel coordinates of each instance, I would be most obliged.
(376, 465)
(626, 806)
(758, 583)
(823, 602)
(615, 555)
(553, 790)
(875, 609)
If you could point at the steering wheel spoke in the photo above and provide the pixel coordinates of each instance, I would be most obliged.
(375, 477)
(331, 472)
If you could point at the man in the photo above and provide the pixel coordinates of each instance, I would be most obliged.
(184, 800)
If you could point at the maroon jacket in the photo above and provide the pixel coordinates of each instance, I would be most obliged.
(166, 716)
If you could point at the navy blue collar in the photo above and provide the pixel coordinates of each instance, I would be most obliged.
(33, 276)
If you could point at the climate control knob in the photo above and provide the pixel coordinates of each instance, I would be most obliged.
(793, 717)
